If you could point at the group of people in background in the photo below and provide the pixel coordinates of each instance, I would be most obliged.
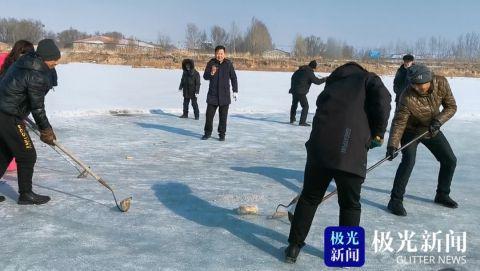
(351, 117)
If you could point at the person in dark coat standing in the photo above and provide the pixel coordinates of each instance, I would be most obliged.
(302, 79)
(400, 82)
(351, 118)
(190, 84)
(219, 71)
(22, 91)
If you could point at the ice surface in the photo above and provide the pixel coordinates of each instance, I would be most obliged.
(185, 190)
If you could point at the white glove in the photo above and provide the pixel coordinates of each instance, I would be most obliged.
(235, 96)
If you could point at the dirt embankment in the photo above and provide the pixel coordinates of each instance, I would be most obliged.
(246, 62)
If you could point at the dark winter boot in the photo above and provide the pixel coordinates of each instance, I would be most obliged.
(29, 198)
(197, 117)
(445, 200)
(396, 207)
(205, 137)
(221, 137)
(292, 120)
(184, 116)
(291, 253)
(2, 198)
(304, 124)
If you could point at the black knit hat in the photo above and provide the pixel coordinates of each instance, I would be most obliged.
(313, 64)
(419, 74)
(47, 50)
(408, 57)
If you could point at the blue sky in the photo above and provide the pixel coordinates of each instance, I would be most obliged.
(360, 23)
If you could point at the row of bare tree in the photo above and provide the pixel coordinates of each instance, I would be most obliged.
(256, 39)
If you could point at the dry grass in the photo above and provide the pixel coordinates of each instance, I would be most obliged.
(173, 60)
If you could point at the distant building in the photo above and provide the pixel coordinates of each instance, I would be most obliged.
(108, 43)
(276, 54)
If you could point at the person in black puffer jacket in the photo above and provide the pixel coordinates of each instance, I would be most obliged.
(190, 84)
(22, 91)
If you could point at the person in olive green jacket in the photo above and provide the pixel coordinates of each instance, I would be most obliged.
(418, 111)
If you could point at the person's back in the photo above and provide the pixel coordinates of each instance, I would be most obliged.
(353, 108)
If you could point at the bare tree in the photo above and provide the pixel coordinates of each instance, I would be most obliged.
(299, 48)
(67, 37)
(218, 35)
(258, 39)
(164, 42)
(314, 46)
(235, 38)
(12, 30)
(192, 36)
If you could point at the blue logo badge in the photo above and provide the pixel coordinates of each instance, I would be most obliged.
(344, 246)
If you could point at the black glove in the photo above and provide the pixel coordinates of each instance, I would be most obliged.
(391, 153)
(434, 126)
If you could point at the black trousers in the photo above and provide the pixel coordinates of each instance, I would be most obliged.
(316, 181)
(440, 148)
(15, 142)
(222, 124)
(296, 98)
(186, 102)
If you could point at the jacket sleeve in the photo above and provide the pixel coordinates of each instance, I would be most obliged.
(181, 83)
(37, 89)
(317, 81)
(207, 73)
(396, 83)
(197, 82)
(233, 78)
(448, 103)
(378, 106)
(399, 123)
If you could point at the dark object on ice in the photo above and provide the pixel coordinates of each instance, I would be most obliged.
(221, 138)
(445, 200)
(301, 82)
(190, 84)
(205, 137)
(2, 198)
(396, 207)
(304, 124)
(124, 204)
(291, 253)
(30, 198)
(183, 116)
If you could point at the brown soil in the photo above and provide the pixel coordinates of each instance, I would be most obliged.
(172, 60)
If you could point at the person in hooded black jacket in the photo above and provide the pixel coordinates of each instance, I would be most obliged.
(22, 91)
(302, 79)
(190, 84)
(351, 118)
